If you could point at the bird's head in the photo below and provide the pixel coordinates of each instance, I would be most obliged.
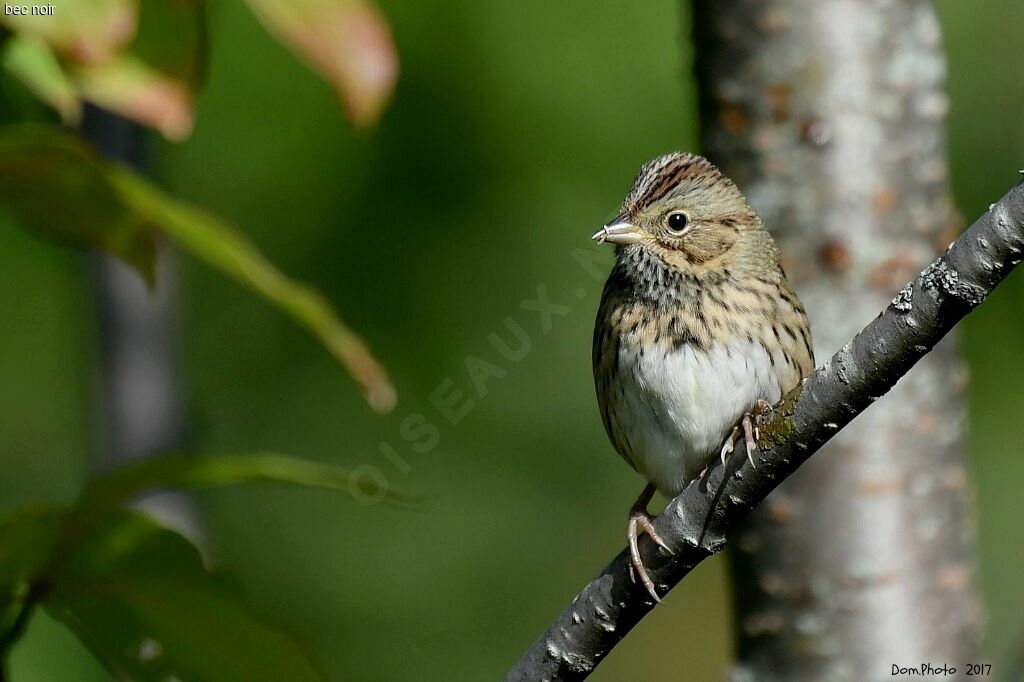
(684, 211)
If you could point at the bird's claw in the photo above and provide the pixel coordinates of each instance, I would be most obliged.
(640, 518)
(749, 438)
(729, 444)
(748, 426)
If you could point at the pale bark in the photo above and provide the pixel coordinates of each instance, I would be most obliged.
(829, 115)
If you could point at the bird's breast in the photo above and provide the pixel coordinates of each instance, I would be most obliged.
(669, 407)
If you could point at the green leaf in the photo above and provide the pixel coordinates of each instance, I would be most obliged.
(55, 185)
(86, 31)
(106, 572)
(195, 471)
(35, 65)
(229, 251)
(27, 540)
(347, 41)
(140, 598)
(51, 182)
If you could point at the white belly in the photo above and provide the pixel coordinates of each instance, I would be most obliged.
(679, 406)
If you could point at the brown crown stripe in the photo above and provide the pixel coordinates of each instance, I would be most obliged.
(664, 181)
(670, 176)
(681, 167)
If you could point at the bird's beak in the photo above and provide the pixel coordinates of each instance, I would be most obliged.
(618, 233)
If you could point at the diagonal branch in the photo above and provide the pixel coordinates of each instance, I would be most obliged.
(696, 523)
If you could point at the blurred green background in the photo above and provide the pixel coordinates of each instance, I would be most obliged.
(515, 130)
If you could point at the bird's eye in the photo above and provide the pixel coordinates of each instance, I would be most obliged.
(677, 222)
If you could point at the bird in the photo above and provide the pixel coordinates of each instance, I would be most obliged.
(698, 330)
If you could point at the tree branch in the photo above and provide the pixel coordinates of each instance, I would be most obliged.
(695, 524)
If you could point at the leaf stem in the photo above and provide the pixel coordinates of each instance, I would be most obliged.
(12, 634)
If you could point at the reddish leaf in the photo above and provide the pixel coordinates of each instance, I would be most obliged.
(85, 31)
(146, 68)
(347, 41)
(128, 86)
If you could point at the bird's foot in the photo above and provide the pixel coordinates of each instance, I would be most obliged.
(751, 433)
(640, 519)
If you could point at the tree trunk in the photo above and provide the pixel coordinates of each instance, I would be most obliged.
(829, 116)
(141, 405)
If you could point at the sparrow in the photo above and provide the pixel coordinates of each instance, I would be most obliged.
(698, 330)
